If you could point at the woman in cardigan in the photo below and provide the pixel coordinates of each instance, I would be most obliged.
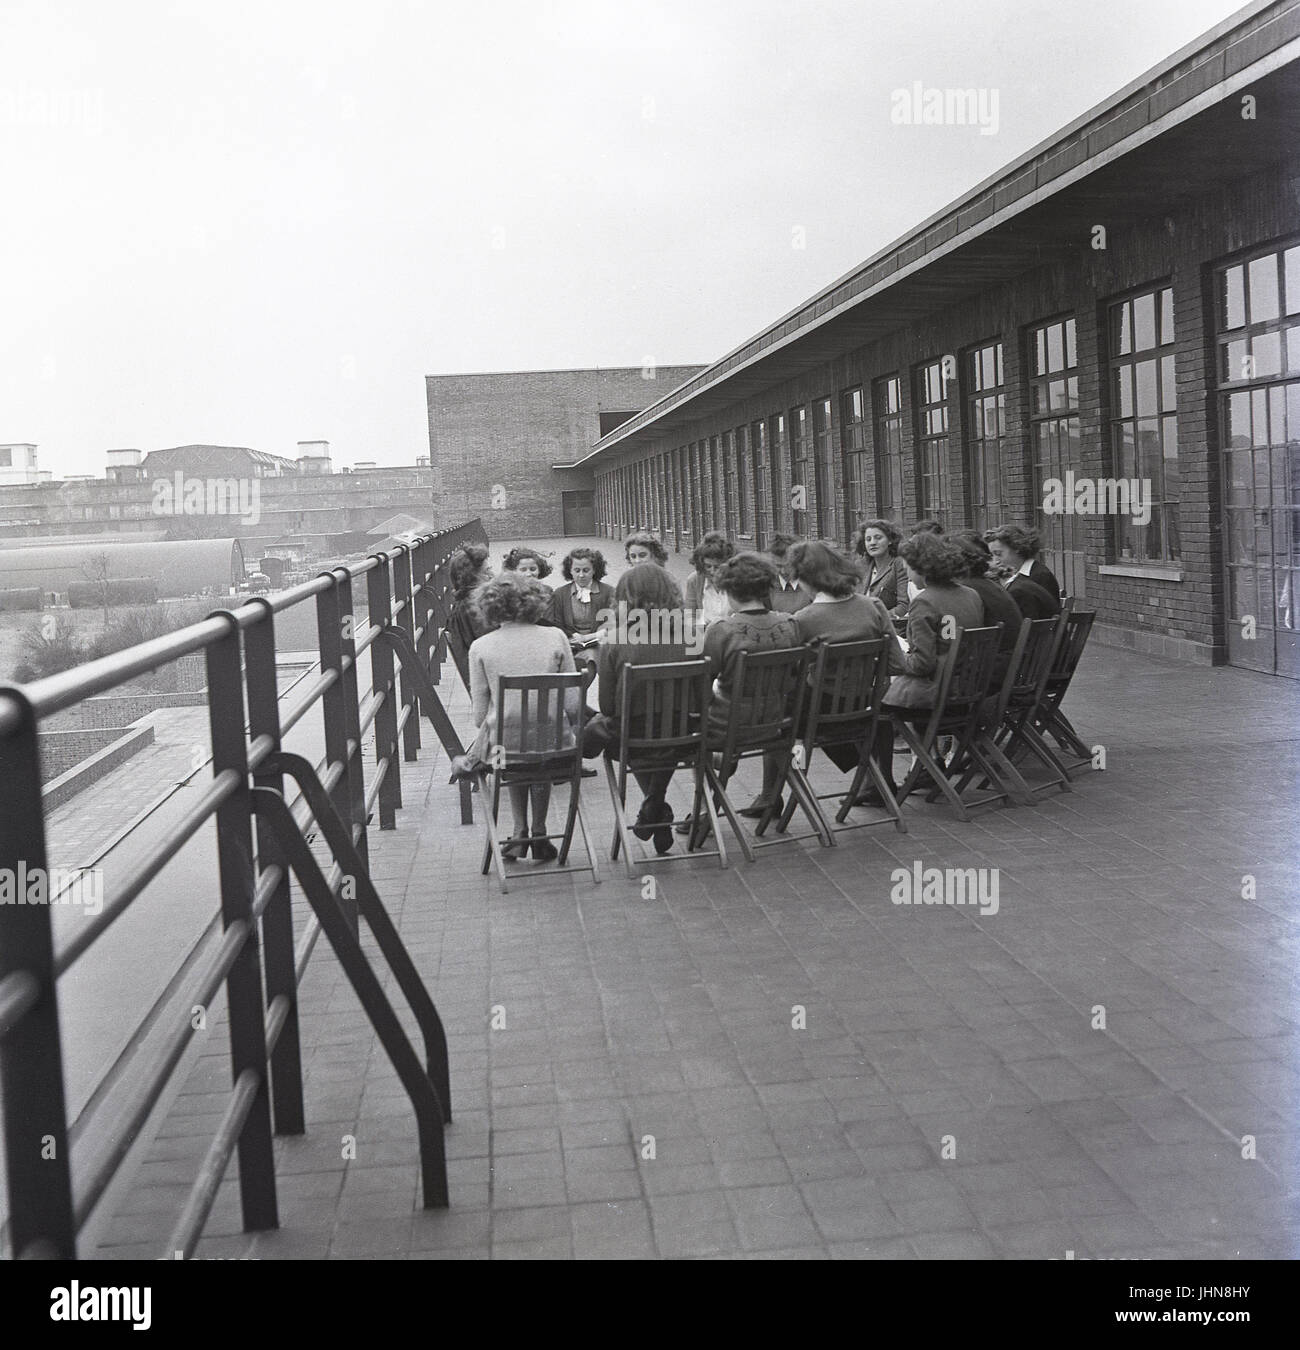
(703, 594)
(934, 563)
(518, 645)
(576, 607)
(876, 544)
(837, 614)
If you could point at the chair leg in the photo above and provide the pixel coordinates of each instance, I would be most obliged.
(812, 808)
(717, 798)
(569, 821)
(892, 807)
(925, 761)
(1027, 735)
(493, 851)
(1004, 775)
(588, 844)
(622, 835)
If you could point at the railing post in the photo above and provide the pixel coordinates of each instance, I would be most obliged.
(31, 1056)
(356, 786)
(277, 918)
(382, 683)
(329, 628)
(245, 1006)
(402, 595)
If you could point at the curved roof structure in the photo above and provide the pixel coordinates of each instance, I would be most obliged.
(179, 566)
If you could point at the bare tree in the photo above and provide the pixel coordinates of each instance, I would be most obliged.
(97, 569)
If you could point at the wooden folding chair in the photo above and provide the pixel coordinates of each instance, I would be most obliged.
(662, 712)
(540, 756)
(1049, 719)
(845, 693)
(963, 709)
(766, 706)
(1011, 727)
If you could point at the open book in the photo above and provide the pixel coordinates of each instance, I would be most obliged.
(580, 641)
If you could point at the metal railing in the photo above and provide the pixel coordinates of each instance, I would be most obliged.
(261, 843)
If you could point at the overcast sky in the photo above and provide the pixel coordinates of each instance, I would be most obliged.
(265, 221)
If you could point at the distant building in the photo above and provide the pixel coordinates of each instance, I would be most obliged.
(18, 463)
(495, 438)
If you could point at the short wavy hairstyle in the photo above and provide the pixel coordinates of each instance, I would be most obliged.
(926, 527)
(510, 598)
(783, 543)
(747, 577)
(1026, 543)
(647, 586)
(714, 547)
(975, 550)
(647, 540)
(517, 555)
(597, 562)
(819, 564)
(466, 569)
(886, 527)
(936, 560)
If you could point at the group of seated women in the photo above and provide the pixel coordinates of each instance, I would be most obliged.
(801, 592)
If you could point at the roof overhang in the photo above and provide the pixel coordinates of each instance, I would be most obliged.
(1165, 140)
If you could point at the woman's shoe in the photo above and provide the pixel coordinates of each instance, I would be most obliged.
(872, 797)
(757, 809)
(644, 827)
(544, 851)
(515, 851)
(663, 835)
(685, 825)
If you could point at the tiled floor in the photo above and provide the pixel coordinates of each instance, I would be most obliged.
(777, 1061)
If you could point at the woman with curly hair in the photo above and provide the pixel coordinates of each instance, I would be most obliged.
(935, 563)
(577, 605)
(875, 545)
(468, 570)
(1016, 550)
(644, 547)
(702, 593)
(528, 563)
(518, 645)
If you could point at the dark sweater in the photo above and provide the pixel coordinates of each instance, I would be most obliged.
(744, 631)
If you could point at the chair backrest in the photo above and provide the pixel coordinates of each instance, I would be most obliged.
(1078, 624)
(665, 706)
(534, 706)
(1031, 663)
(848, 684)
(967, 669)
(766, 700)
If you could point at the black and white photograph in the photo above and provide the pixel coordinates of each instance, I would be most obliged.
(653, 632)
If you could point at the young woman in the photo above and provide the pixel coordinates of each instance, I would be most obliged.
(518, 645)
(576, 606)
(1016, 551)
(644, 547)
(837, 614)
(468, 569)
(702, 592)
(790, 594)
(528, 563)
(999, 605)
(646, 588)
(935, 564)
(875, 544)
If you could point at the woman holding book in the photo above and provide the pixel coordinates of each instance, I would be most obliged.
(582, 605)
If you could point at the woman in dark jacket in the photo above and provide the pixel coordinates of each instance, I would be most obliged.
(577, 607)
(999, 605)
(1017, 549)
(875, 545)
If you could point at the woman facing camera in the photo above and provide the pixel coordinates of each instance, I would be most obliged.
(644, 547)
(576, 607)
(885, 579)
(702, 592)
(528, 563)
(519, 645)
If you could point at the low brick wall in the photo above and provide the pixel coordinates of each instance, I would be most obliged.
(116, 710)
(125, 743)
(64, 750)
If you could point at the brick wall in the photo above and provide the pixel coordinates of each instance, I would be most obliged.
(507, 429)
(1176, 616)
(62, 750)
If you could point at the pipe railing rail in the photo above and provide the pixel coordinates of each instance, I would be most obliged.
(261, 844)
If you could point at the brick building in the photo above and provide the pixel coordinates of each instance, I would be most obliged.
(1122, 302)
(509, 431)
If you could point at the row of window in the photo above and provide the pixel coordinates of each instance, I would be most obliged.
(737, 478)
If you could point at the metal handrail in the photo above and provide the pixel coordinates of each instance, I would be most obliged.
(408, 592)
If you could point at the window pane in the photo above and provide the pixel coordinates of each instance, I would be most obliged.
(1121, 330)
(1147, 398)
(1232, 360)
(1266, 349)
(1071, 357)
(1172, 472)
(1167, 315)
(1264, 302)
(1239, 480)
(1072, 390)
(1237, 430)
(1293, 350)
(1144, 322)
(1055, 347)
(1232, 299)
(1292, 264)
(1259, 415)
(1040, 351)
(1125, 457)
(1167, 395)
